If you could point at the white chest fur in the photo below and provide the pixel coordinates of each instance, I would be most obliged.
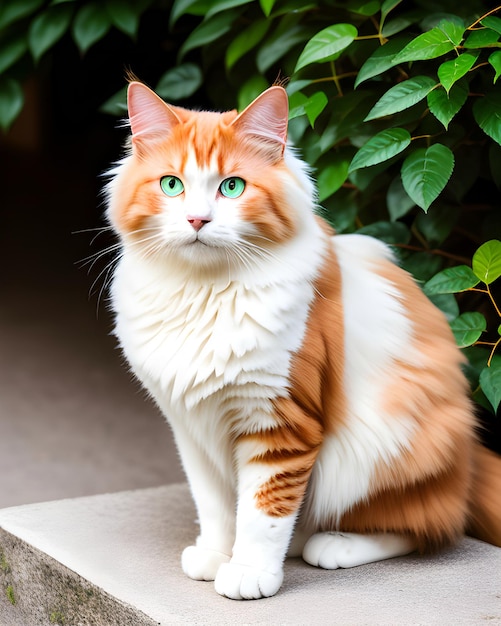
(191, 342)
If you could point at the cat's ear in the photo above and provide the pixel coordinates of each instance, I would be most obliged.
(266, 119)
(150, 117)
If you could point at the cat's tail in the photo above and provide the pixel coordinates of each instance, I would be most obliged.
(485, 506)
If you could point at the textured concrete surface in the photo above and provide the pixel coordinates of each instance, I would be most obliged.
(115, 553)
(39, 591)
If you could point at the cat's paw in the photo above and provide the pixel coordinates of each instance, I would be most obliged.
(332, 550)
(243, 582)
(202, 564)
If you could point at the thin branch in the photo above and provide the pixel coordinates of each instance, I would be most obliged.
(483, 17)
(447, 255)
(493, 301)
(328, 79)
(491, 356)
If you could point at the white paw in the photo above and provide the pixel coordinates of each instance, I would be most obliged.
(242, 582)
(202, 564)
(333, 550)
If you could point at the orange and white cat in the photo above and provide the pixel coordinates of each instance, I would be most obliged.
(315, 394)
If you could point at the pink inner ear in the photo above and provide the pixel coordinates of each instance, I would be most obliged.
(148, 114)
(267, 116)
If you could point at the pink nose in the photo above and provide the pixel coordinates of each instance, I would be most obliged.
(198, 222)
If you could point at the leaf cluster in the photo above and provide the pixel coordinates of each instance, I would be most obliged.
(29, 29)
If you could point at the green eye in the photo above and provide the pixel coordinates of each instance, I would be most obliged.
(232, 187)
(171, 186)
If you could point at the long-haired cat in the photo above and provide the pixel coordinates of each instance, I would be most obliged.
(315, 394)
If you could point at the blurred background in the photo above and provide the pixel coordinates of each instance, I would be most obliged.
(72, 420)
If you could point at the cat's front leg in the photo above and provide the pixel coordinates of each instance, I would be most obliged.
(215, 504)
(274, 466)
(256, 567)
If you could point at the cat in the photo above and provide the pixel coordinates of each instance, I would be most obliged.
(315, 394)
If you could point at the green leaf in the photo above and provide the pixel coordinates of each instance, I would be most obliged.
(447, 303)
(490, 381)
(495, 61)
(453, 29)
(116, 105)
(179, 82)
(487, 113)
(451, 71)
(483, 38)
(423, 265)
(486, 262)
(267, 6)
(296, 104)
(15, 10)
(425, 173)
(327, 44)
(467, 328)
(223, 5)
(287, 7)
(364, 7)
(276, 46)
(123, 16)
(383, 146)
(297, 85)
(434, 43)
(443, 105)
(315, 104)
(250, 90)
(246, 41)
(381, 59)
(492, 22)
(451, 280)
(399, 23)
(340, 211)
(14, 45)
(90, 25)
(437, 224)
(192, 7)
(390, 232)
(332, 177)
(11, 101)
(397, 199)
(386, 7)
(47, 28)
(477, 359)
(208, 31)
(402, 96)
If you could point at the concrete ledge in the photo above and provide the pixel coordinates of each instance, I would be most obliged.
(114, 560)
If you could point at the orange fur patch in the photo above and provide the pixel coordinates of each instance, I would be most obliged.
(316, 391)
(425, 490)
(485, 506)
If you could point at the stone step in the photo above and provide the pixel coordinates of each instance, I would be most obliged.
(114, 560)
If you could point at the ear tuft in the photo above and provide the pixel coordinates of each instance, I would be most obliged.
(150, 117)
(266, 118)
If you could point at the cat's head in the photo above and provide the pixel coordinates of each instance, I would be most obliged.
(207, 188)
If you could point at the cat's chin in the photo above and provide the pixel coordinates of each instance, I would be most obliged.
(200, 255)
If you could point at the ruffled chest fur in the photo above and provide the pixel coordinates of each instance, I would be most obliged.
(192, 340)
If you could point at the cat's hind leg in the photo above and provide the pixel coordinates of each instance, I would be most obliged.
(332, 550)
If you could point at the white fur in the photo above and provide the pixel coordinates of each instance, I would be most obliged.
(261, 543)
(333, 550)
(376, 332)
